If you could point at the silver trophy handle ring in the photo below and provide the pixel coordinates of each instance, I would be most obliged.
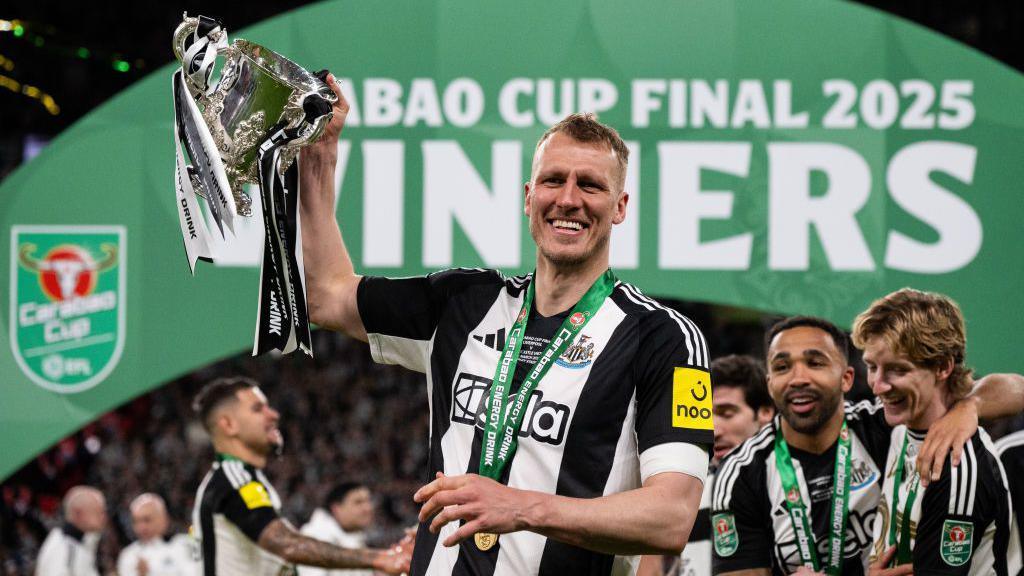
(181, 34)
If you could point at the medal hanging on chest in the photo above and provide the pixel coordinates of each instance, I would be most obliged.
(505, 412)
(799, 513)
(900, 522)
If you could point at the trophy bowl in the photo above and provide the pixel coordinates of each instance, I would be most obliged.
(257, 88)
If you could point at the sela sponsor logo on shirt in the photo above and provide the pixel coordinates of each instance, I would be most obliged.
(579, 355)
(691, 399)
(544, 421)
(859, 536)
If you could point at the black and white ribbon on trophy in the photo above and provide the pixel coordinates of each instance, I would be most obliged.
(282, 320)
(192, 134)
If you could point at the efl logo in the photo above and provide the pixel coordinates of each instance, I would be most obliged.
(67, 311)
(691, 399)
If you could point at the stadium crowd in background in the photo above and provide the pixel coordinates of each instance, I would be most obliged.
(342, 410)
(341, 415)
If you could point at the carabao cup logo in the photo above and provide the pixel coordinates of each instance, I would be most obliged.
(67, 303)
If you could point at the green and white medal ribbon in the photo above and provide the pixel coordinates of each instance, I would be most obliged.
(798, 511)
(503, 421)
(903, 553)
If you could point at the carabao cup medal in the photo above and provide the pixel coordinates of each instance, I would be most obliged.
(485, 540)
(246, 128)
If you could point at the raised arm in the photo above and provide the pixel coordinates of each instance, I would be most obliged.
(282, 540)
(994, 396)
(653, 519)
(331, 281)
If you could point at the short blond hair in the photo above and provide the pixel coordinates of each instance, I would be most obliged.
(926, 327)
(584, 127)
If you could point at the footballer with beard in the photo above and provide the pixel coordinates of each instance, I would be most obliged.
(237, 511)
(802, 493)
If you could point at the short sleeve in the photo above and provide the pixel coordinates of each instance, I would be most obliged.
(250, 508)
(741, 530)
(867, 420)
(401, 314)
(673, 383)
(955, 512)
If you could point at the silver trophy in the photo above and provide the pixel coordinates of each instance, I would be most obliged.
(246, 127)
(257, 88)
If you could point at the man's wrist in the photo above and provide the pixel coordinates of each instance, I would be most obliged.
(972, 402)
(535, 513)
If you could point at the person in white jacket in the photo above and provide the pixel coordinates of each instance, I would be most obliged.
(70, 549)
(347, 513)
(155, 554)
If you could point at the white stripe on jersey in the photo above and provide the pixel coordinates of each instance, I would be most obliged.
(406, 352)
(954, 488)
(697, 350)
(1009, 441)
(435, 273)
(275, 500)
(237, 473)
(973, 485)
(231, 473)
(197, 526)
(623, 478)
(854, 411)
(726, 476)
(688, 330)
(518, 281)
(963, 483)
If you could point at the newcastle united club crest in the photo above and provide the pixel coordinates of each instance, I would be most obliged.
(579, 355)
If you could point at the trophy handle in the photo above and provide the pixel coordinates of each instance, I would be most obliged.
(181, 34)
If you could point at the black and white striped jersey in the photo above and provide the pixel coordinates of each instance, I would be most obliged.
(960, 524)
(748, 499)
(235, 502)
(1011, 454)
(613, 410)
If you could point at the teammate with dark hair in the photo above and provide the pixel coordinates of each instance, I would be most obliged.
(237, 511)
(346, 514)
(802, 493)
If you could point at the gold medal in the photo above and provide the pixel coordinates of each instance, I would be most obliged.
(485, 541)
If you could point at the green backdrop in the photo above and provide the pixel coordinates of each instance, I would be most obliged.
(796, 156)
